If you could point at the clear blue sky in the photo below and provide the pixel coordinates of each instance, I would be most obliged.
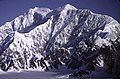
(9, 9)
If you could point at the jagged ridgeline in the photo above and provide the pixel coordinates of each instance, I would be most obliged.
(77, 39)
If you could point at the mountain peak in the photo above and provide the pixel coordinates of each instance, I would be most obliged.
(42, 11)
(68, 7)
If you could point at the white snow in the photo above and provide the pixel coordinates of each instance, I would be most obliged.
(42, 11)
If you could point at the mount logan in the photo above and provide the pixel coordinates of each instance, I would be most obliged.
(65, 36)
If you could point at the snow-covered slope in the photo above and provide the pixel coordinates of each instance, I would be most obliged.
(41, 30)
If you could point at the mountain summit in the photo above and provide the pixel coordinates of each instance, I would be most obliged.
(41, 32)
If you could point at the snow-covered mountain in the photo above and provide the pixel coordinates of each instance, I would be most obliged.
(40, 31)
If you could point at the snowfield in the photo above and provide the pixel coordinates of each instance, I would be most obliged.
(55, 74)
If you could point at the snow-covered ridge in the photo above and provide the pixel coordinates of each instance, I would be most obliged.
(41, 30)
